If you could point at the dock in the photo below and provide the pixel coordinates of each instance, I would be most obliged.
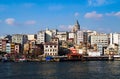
(97, 58)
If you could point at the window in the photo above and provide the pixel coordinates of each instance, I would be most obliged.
(46, 46)
(50, 46)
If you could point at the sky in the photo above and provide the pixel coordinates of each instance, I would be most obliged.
(31, 16)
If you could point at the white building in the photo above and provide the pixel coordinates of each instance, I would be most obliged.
(31, 37)
(82, 37)
(115, 39)
(40, 37)
(62, 36)
(101, 40)
(119, 44)
(50, 49)
(45, 35)
(79, 37)
(19, 38)
(71, 35)
(49, 35)
(0, 44)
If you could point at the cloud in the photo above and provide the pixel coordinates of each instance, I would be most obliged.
(30, 22)
(110, 14)
(93, 15)
(76, 14)
(117, 14)
(97, 2)
(10, 21)
(66, 28)
(55, 7)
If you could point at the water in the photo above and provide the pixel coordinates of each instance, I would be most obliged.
(61, 70)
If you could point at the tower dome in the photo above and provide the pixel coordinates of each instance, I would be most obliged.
(76, 27)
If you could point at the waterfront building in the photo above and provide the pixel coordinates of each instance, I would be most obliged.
(101, 40)
(4, 42)
(100, 48)
(29, 46)
(119, 44)
(0, 44)
(112, 49)
(17, 48)
(12, 47)
(8, 48)
(115, 39)
(32, 45)
(26, 48)
(20, 39)
(50, 49)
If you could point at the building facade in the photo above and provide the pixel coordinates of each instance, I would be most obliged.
(32, 36)
(101, 41)
(19, 38)
(8, 47)
(63, 36)
(41, 37)
(115, 39)
(50, 49)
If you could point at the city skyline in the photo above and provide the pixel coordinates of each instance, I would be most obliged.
(31, 16)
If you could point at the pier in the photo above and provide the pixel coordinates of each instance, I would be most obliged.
(97, 58)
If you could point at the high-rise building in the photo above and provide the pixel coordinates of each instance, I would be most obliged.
(19, 38)
(82, 37)
(100, 40)
(115, 39)
(40, 37)
(45, 35)
(63, 36)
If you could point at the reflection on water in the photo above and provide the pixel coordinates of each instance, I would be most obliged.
(61, 70)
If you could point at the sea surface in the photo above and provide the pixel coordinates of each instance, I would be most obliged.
(60, 70)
